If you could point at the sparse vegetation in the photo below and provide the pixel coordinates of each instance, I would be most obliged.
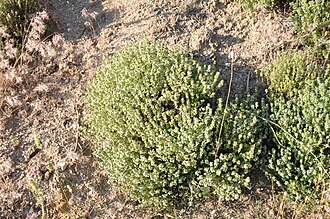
(311, 20)
(40, 199)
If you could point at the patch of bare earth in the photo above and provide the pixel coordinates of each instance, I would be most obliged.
(44, 161)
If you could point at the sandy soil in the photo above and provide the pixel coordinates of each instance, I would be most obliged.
(44, 161)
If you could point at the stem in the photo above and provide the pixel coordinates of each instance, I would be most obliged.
(227, 100)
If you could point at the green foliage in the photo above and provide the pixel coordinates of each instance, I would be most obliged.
(299, 160)
(39, 196)
(312, 19)
(15, 15)
(241, 145)
(251, 4)
(289, 71)
(156, 115)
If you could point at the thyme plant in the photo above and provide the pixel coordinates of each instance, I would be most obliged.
(158, 121)
(312, 19)
(299, 157)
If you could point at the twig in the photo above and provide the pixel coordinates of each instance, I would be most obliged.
(299, 142)
(77, 130)
(248, 81)
(227, 100)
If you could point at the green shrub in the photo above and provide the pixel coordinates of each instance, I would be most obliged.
(312, 19)
(273, 4)
(156, 115)
(299, 160)
(289, 71)
(15, 15)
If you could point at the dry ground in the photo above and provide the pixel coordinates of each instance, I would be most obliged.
(44, 161)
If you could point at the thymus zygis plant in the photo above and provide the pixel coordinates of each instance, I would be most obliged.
(299, 155)
(163, 132)
(271, 4)
(312, 19)
(289, 71)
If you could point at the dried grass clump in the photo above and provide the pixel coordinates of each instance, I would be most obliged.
(15, 15)
(19, 65)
